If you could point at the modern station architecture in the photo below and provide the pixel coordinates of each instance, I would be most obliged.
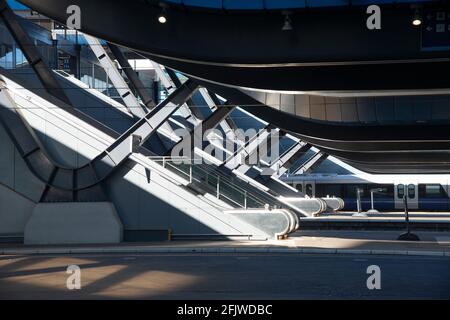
(133, 120)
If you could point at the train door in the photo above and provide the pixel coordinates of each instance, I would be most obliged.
(447, 189)
(299, 186)
(412, 193)
(310, 189)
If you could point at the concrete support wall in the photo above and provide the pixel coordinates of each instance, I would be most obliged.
(73, 223)
(15, 210)
(14, 173)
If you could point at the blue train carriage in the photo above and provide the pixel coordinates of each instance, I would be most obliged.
(424, 192)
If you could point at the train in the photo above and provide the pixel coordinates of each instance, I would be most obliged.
(423, 192)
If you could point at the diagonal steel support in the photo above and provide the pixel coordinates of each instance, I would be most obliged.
(249, 149)
(210, 123)
(30, 52)
(211, 101)
(288, 159)
(132, 76)
(191, 104)
(130, 100)
(228, 125)
(312, 163)
(142, 130)
(170, 86)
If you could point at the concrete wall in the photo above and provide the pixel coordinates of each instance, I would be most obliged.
(15, 210)
(73, 223)
(14, 173)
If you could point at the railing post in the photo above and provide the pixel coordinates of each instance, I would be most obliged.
(218, 187)
(245, 200)
(371, 200)
(358, 200)
(164, 162)
(408, 236)
(190, 174)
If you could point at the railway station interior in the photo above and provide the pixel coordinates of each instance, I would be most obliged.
(140, 121)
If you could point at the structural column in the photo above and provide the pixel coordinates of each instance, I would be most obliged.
(30, 52)
(312, 163)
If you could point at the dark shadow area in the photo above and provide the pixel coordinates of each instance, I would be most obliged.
(229, 277)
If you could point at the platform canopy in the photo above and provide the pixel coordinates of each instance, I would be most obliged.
(283, 4)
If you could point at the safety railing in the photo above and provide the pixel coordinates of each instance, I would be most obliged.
(212, 182)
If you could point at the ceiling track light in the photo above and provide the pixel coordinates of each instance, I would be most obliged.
(287, 26)
(162, 17)
(417, 17)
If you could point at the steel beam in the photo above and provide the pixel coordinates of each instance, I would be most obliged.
(194, 109)
(288, 159)
(130, 100)
(210, 123)
(170, 87)
(132, 76)
(171, 81)
(211, 101)
(312, 163)
(249, 148)
(145, 127)
(30, 52)
(228, 124)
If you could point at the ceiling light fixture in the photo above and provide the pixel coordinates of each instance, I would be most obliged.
(287, 26)
(162, 18)
(417, 18)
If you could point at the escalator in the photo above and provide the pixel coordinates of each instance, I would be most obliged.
(110, 154)
(226, 206)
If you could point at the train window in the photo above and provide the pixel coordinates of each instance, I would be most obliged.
(332, 190)
(350, 190)
(411, 191)
(309, 190)
(400, 191)
(387, 190)
(299, 187)
(432, 191)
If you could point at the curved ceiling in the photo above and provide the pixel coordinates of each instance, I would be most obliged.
(282, 4)
(327, 50)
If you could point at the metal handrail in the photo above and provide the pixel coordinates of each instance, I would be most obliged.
(255, 191)
(195, 173)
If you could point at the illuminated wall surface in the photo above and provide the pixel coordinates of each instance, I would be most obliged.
(282, 4)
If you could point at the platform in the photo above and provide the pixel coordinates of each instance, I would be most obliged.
(301, 242)
(424, 221)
